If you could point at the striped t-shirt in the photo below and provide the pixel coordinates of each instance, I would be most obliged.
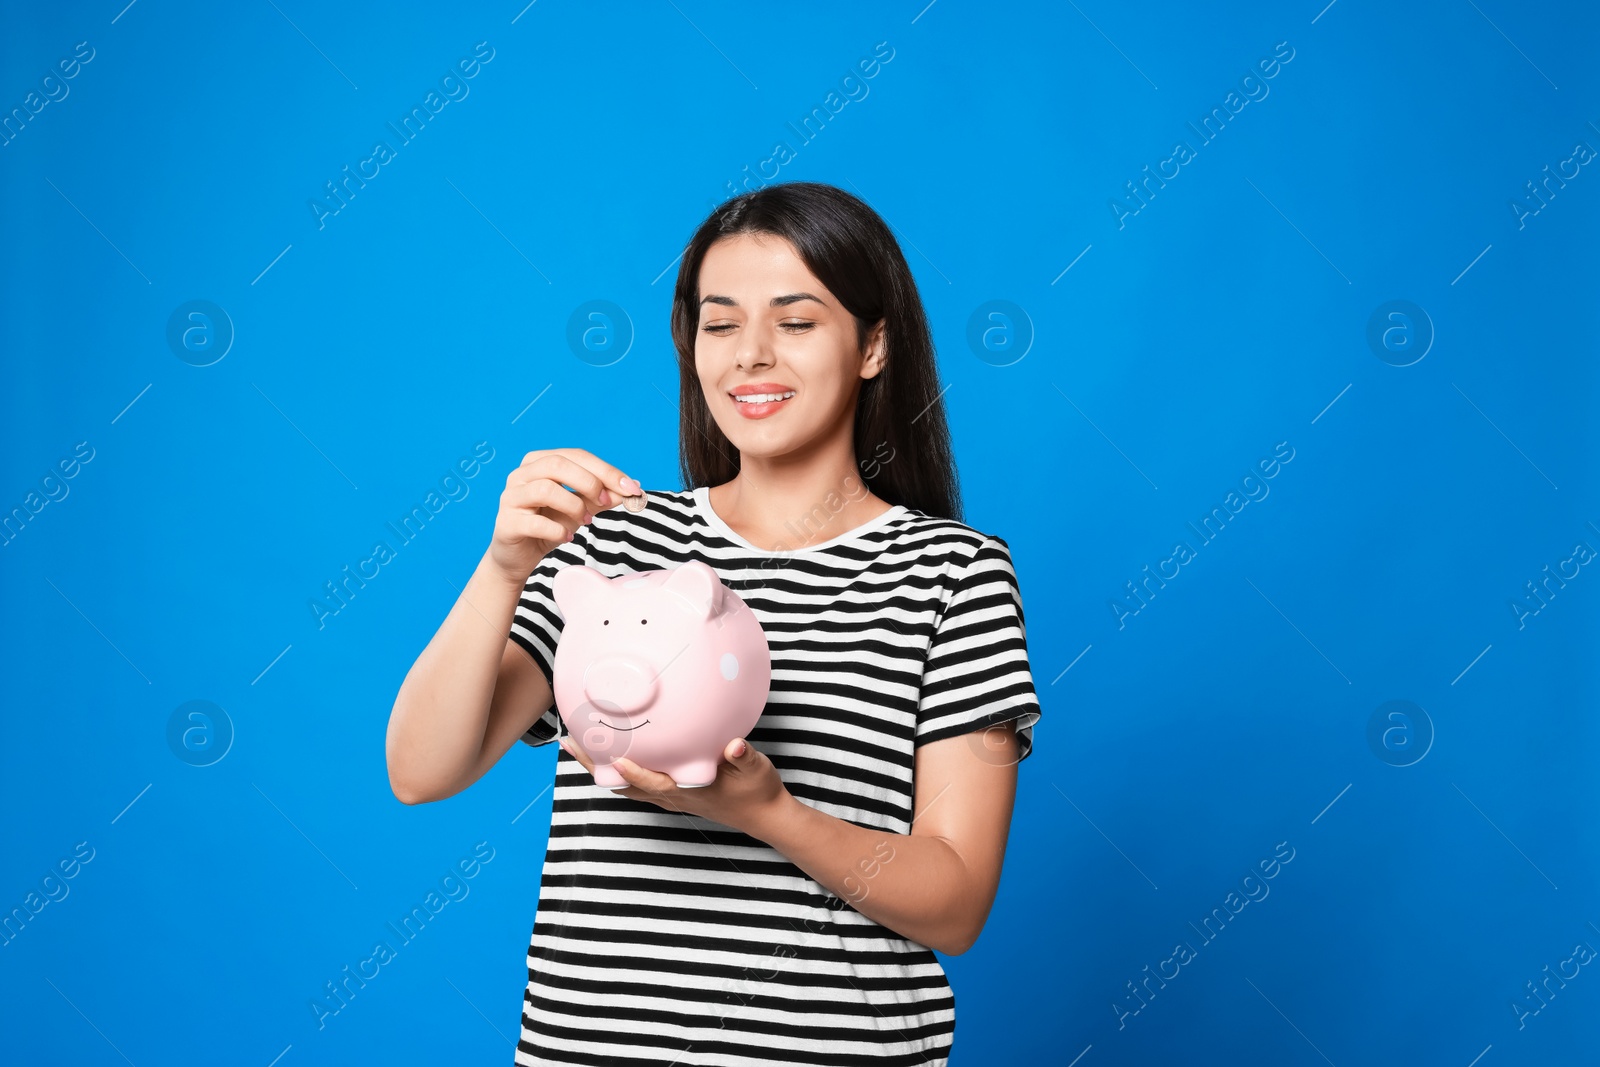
(668, 938)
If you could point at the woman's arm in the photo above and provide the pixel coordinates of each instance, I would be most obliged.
(459, 691)
(936, 884)
(470, 694)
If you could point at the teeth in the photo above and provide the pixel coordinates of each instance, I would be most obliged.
(762, 398)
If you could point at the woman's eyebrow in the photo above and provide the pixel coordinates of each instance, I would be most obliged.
(777, 301)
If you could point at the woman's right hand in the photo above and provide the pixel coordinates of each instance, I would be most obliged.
(538, 513)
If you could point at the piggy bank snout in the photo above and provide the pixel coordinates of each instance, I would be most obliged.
(619, 683)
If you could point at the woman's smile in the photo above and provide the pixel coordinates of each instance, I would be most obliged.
(762, 408)
(757, 400)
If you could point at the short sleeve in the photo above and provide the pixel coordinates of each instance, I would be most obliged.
(977, 673)
(537, 624)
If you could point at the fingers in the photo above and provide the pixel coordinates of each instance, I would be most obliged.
(598, 483)
(640, 781)
(640, 778)
(544, 497)
(612, 478)
(576, 752)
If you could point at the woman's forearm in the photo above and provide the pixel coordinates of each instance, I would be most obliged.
(915, 885)
(441, 712)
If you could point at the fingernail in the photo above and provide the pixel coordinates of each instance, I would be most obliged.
(605, 498)
(587, 517)
(740, 748)
(633, 488)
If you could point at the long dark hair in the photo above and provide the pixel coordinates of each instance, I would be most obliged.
(902, 442)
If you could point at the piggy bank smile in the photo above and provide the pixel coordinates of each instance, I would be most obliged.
(602, 722)
(607, 731)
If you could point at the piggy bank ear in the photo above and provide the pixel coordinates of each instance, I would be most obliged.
(698, 587)
(576, 588)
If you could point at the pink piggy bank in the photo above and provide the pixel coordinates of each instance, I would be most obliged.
(664, 667)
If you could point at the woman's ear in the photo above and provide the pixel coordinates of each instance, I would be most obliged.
(876, 352)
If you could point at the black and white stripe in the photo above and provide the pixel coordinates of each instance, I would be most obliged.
(668, 938)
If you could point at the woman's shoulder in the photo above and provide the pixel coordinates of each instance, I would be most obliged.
(939, 531)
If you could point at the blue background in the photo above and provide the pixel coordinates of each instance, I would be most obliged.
(1106, 408)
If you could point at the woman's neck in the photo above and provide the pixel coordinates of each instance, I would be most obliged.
(780, 517)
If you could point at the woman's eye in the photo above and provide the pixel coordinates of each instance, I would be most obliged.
(798, 327)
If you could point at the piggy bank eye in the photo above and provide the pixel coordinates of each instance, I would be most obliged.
(643, 621)
(605, 622)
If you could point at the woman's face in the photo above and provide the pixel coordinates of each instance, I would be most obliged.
(765, 320)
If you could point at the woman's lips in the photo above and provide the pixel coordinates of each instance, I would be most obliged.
(759, 411)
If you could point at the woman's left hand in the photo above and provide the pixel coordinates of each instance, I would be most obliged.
(746, 792)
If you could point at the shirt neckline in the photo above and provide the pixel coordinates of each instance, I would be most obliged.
(702, 502)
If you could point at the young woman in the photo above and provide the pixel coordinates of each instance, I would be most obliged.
(789, 911)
